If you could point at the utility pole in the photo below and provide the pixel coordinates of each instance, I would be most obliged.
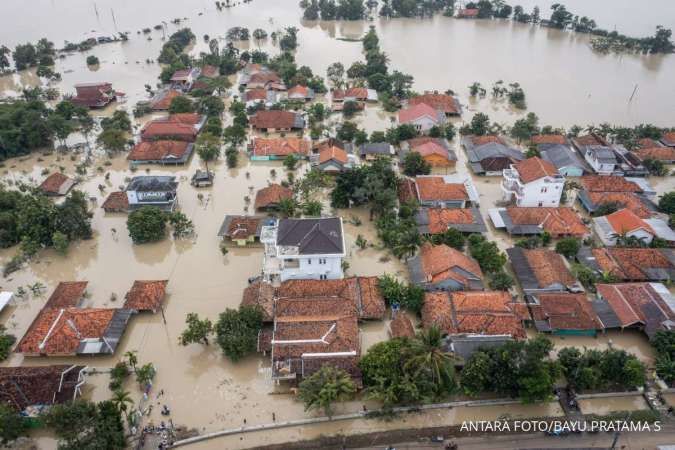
(633, 94)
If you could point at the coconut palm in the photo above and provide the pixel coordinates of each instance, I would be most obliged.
(428, 358)
(324, 387)
(121, 399)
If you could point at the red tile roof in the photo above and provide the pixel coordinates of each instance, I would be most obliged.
(355, 92)
(567, 311)
(333, 153)
(428, 146)
(609, 183)
(488, 139)
(256, 94)
(116, 202)
(298, 91)
(623, 300)
(435, 188)
(658, 153)
(243, 227)
(21, 387)
(401, 326)
(490, 313)
(668, 138)
(210, 71)
(562, 221)
(146, 295)
(468, 12)
(273, 119)
(163, 100)
(438, 262)
(54, 182)
(260, 294)
(157, 150)
(647, 143)
(548, 267)
(630, 264)
(263, 78)
(67, 294)
(440, 219)
(184, 118)
(440, 102)
(590, 139)
(417, 111)
(271, 196)
(532, 169)
(627, 199)
(625, 221)
(548, 139)
(280, 146)
(168, 129)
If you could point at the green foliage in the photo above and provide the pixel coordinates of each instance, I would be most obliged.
(182, 226)
(145, 374)
(414, 164)
(664, 344)
(112, 139)
(400, 133)
(655, 167)
(501, 281)
(609, 369)
(607, 208)
(237, 331)
(60, 242)
(84, 425)
(177, 42)
(325, 387)
(312, 209)
(568, 247)
(6, 343)
(667, 203)
(291, 161)
(349, 108)
(118, 374)
(197, 331)
(23, 127)
(394, 292)
(119, 120)
(208, 148)
(92, 60)
(479, 126)
(210, 106)
(450, 237)
(147, 224)
(12, 424)
(182, 104)
(488, 255)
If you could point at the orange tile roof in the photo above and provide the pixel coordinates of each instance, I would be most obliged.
(548, 139)
(67, 294)
(657, 153)
(333, 153)
(273, 119)
(157, 150)
(52, 184)
(590, 139)
(146, 295)
(621, 299)
(625, 221)
(401, 326)
(440, 102)
(159, 129)
(432, 148)
(417, 111)
(435, 188)
(116, 202)
(164, 101)
(532, 169)
(568, 311)
(556, 221)
(442, 218)
(647, 143)
(264, 78)
(256, 94)
(243, 227)
(608, 183)
(488, 139)
(302, 91)
(271, 195)
(630, 264)
(260, 294)
(669, 138)
(184, 118)
(439, 260)
(490, 313)
(627, 199)
(280, 146)
(548, 267)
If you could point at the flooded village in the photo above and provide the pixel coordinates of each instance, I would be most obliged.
(248, 224)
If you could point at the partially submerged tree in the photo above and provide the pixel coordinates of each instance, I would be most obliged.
(197, 331)
(325, 387)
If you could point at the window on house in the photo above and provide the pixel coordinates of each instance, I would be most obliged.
(323, 277)
(309, 261)
(541, 204)
(544, 189)
(322, 261)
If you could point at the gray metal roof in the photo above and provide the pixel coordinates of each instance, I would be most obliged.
(492, 149)
(311, 236)
(561, 156)
(466, 345)
(416, 271)
(513, 228)
(603, 154)
(153, 183)
(605, 313)
(377, 148)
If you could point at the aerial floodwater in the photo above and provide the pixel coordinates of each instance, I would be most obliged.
(196, 388)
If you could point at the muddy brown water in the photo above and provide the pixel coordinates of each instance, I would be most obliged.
(607, 405)
(203, 389)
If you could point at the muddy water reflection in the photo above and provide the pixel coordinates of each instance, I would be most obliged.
(613, 404)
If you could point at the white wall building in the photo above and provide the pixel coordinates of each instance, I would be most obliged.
(533, 182)
(304, 249)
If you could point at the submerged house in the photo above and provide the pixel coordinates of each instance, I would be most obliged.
(116, 202)
(151, 190)
(443, 268)
(302, 93)
(489, 155)
(446, 104)
(668, 139)
(243, 230)
(269, 198)
(644, 306)
(435, 151)
(146, 296)
(94, 95)
(432, 221)
(262, 149)
(161, 152)
(558, 222)
(163, 98)
(439, 191)
(533, 182)
(664, 154)
(184, 79)
(555, 149)
(422, 116)
(542, 270)
(630, 264)
(304, 249)
(62, 328)
(176, 127)
(354, 94)
(57, 184)
(563, 314)
(333, 160)
(372, 150)
(632, 193)
(271, 121)
(625, 224)
(606, 159)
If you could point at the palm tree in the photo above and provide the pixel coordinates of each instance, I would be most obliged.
(428, 358)
(132, 357)
(121, 399)
(324, 387)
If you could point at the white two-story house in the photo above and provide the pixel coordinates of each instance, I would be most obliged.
(533, 182)
(303, 249)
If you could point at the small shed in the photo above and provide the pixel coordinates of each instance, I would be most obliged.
(202, 178)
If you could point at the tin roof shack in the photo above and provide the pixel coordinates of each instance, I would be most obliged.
(31, 390)
(316, 323)
(630, 264)
(624, 224)
(243, 230)
(645, 306)
(62, 328)
(176, 127)
(441, 191)
(161, 152)
(563, 314)
(94, 95)
(542, 270)
(438, 220)
(435, 151)
(533, 182)
(57, 184)
(146, 295)
(489, 155)
(268, 198)
(263, 149)
(558, 222)
(447, 104)
(439, 267)
(116, 202)
(372, 150)
(151, 190)
(472, 313)
(271, 121)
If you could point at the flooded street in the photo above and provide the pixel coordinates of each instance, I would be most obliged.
(565, 83)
